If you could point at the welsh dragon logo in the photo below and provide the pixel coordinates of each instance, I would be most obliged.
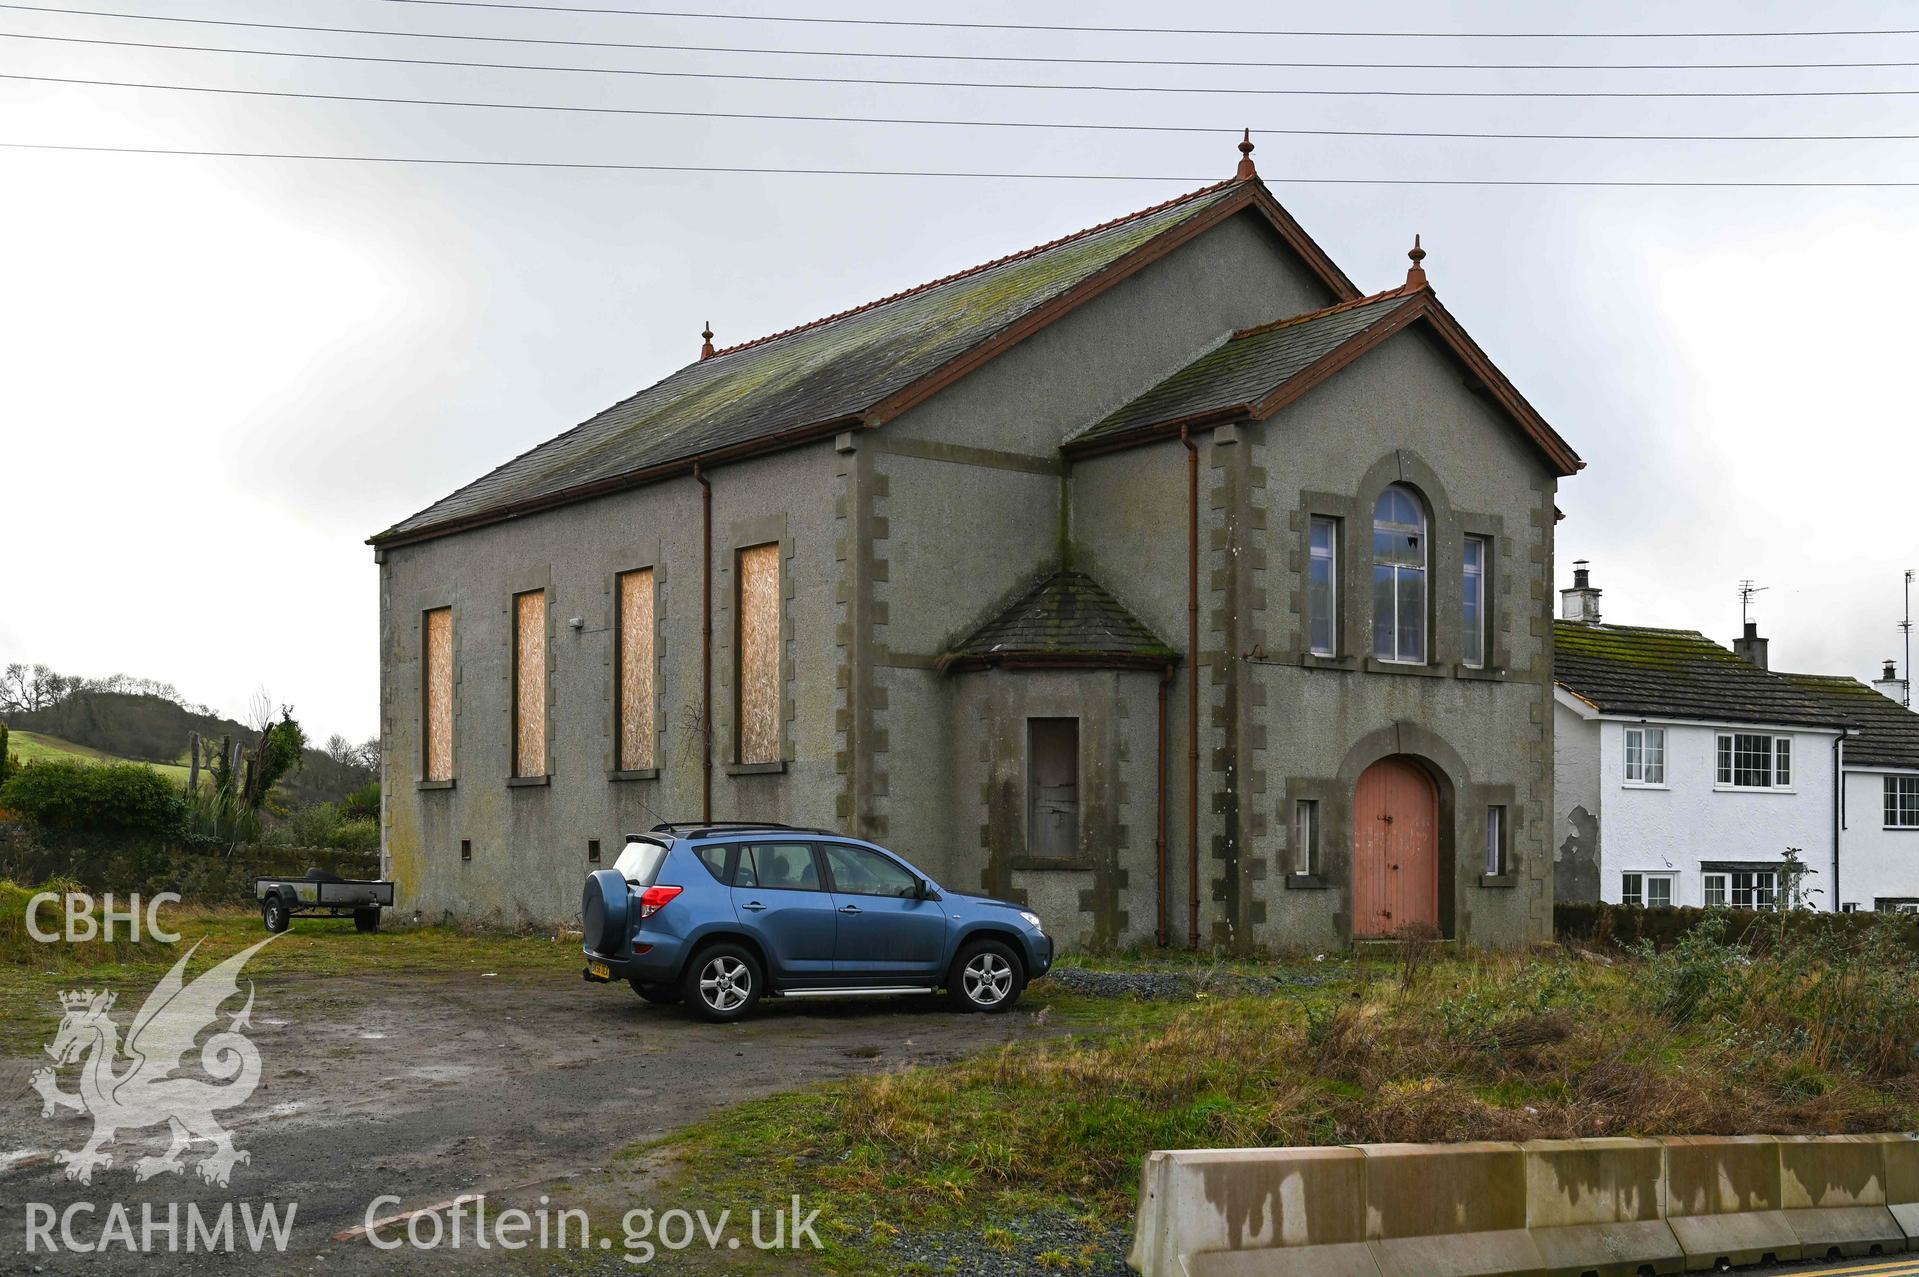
(146, 1091)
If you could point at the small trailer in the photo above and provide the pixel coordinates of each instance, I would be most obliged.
(320, 892)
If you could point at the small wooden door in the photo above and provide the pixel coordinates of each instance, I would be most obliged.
(1395, 850)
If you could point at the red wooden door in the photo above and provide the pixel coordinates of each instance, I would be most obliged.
(1395, 849)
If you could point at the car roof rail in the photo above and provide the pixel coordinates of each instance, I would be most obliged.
(700, 828)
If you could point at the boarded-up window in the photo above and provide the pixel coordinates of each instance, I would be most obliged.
(436, 683)
(635, 704)
(529, 683)
(759, 654)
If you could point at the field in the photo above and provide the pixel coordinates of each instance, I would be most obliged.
(33, 745)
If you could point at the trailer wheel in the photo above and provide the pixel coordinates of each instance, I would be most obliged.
(366, 920)
(274, 914)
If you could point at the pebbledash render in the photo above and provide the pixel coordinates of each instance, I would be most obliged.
(948, 570)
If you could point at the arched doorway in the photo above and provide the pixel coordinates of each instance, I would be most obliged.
(1395, 849)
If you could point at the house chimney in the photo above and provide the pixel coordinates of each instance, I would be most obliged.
(1581, 603)
(1890, 684)
(1750, 647)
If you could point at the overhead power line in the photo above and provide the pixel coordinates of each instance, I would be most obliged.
(940, 173)
(1122, 30)
(972, 57)
(972, 84)
(791, 117)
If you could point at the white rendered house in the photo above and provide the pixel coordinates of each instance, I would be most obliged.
(1879, 806)
(1683, 771)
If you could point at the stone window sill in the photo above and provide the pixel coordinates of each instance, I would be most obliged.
(1316, 661)
(1306, 882)
(1376, 666)
(638, 773)
(1499, 881)
(425, 785)
(1486, 673)
(756, 769)
(528, 782)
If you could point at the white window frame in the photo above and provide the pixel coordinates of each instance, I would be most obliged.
(1330, 557)
(1715, 883)
(1473, 586)
(1772, 892)
(1497, 864)
(1638, 883)
(1779, 762)
(1901, 811)
(1306, 837)
(1422, 532)
(1652, 763)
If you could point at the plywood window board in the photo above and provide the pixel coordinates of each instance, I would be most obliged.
(529, 683)
(759, 654)
(637, 728)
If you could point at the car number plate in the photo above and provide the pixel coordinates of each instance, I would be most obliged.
(600, 970)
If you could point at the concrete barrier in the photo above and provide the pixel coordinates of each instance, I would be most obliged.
(1547, 1208)
(1448, 1210)
(1598, 1206)
(1901, 1155)
(1223, 1213)
(1723, 1200)
(1833, 1189)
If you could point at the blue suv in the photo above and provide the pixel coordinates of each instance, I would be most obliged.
(719, 915)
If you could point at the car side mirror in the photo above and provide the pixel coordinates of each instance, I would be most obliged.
(926, 891)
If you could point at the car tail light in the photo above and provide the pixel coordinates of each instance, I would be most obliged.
(654, 899)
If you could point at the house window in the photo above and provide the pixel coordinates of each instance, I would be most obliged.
(633, 703)
(1755, 888)
(1399, 577)
(1902, 802)
(1478, 557)
(1306, 836)
(436, 700)
(1495, 841)
(1645, 756)
(1653, 891)
(1052, 788)
(1322, 587)
(1751, 760)
(529, 683)
(1716, 892)
(758, 672)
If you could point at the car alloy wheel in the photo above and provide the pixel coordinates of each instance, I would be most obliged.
(725, 983)
(987, 978)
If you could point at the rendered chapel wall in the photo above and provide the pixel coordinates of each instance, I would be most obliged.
(529, 842)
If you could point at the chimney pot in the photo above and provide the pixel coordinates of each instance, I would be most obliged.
(1581, 602)
(1892, 671)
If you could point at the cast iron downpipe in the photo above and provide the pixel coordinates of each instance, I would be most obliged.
(706, 643)
(1192, 688)
(1164, 932)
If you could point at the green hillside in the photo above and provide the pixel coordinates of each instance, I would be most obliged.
(31, 745)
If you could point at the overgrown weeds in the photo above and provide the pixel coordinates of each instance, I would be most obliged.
(1811, 1035)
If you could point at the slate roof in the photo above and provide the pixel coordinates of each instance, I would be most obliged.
(1628, 669)
(1888, 731)
(1252, 364)
(829, 370)
(1068, 615)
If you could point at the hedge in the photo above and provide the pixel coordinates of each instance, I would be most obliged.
(119, 798)
(1599, 925)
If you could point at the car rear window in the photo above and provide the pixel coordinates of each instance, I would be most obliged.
(639, 861)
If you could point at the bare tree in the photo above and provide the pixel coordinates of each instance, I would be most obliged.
(26, 688)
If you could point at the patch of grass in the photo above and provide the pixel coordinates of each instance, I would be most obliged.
(1476, 1047)
(30, 746)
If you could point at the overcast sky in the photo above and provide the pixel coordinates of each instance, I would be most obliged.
(221, 375)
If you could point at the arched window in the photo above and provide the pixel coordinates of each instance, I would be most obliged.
(1399, 576)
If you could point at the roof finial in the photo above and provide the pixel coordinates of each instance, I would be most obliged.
(706, 348)
(1416, 276)
(1246, 168)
